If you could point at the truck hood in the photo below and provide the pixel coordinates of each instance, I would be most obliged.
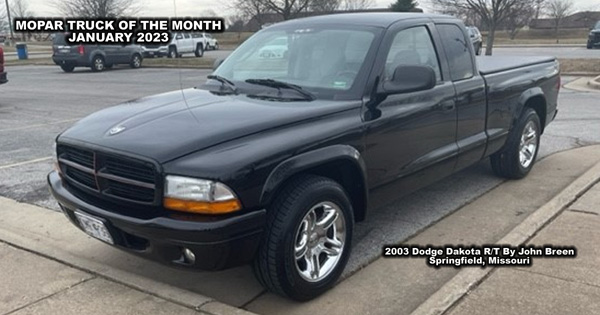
(170, 125)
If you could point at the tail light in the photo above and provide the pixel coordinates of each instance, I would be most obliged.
(81, 50)
(1, 56)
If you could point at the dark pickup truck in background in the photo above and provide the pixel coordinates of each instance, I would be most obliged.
(594, 37)
(3, 78)
(273, 160)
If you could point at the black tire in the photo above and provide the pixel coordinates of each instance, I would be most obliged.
(67, 68)
(478, 50)
(199, 52)
(216, 47)
(98, 64)
(136, 61)
(275, 266)
(507, 163)
(172, 52)
(589, 45)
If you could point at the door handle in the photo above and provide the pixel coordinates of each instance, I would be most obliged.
(447, 106)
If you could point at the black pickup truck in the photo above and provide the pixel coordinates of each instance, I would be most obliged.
(274, 159)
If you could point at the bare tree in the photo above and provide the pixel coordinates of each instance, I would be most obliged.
(519, 16)
(558, 10)
(20, 9)
(491, 12)
(97, 8)
(250, 9)
(288, 9)
(323, 5)
(539, 6)
(353, 5)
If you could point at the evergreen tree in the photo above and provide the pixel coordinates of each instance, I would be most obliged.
(404, 5)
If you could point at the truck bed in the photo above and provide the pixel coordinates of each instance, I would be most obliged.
(494, 64)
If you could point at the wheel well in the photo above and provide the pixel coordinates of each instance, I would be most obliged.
(347, 174)
(538, 103)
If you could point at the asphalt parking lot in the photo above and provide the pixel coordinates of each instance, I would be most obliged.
(40, 101)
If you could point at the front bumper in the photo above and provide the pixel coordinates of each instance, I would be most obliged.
(217, 243)
(3, 77)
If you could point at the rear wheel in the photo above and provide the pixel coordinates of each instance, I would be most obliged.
(589, 45)
(307, 240)
(98, 64)
(67, 67)
(216, 47)
(136, 61)
(518, 157)
(199, 52)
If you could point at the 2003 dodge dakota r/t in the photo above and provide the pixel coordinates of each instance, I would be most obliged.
(273, 160)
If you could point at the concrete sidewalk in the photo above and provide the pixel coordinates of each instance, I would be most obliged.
(48, 266)
(551, 285)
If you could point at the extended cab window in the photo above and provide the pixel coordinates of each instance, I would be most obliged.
(412, 47)
(458, 51)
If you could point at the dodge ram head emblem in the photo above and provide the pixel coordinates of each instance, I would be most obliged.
(115, 130)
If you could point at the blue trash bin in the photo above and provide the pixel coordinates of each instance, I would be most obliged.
(22, 51)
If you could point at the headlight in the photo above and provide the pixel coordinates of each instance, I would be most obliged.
(199, 196)
(55, 157)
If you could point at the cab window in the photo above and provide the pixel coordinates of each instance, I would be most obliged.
(412, 47)
(458, 52)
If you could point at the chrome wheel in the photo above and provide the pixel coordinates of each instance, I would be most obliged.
(136, 62)
(319, 241)
(98, 64)
(529, 144)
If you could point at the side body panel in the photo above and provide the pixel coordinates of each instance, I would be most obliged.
(509, 91)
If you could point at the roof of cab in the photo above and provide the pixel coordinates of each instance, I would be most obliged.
(380, 19)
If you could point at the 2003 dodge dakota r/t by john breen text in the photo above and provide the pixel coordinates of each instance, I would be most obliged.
(273, 160)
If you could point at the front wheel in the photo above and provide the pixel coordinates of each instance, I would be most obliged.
(521, 149)
(172, 53)
(308, 237)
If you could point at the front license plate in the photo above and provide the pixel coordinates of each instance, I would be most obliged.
(94, 227)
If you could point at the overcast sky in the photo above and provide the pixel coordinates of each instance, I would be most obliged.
(222, 7)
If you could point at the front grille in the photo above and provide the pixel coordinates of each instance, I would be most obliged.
(108, 175)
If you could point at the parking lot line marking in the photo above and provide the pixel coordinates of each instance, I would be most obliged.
(25, 162)
(41, 125)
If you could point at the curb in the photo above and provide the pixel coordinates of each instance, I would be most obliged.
(595, 83)
(34, 243)
(467, 279)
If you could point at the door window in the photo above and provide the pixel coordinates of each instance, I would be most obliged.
(412, 47)
(458, 51)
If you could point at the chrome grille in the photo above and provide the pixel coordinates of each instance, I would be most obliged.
(109, 175)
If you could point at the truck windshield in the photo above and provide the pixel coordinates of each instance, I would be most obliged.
(326, 60)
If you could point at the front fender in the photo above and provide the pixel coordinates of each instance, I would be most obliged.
(308, 160)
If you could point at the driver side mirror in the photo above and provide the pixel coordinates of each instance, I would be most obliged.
(217, 63)
(408, 79)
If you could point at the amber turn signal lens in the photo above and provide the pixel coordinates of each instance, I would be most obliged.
(202, 207)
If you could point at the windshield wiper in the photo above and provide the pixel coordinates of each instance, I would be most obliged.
(224, 82)
(282, 85)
